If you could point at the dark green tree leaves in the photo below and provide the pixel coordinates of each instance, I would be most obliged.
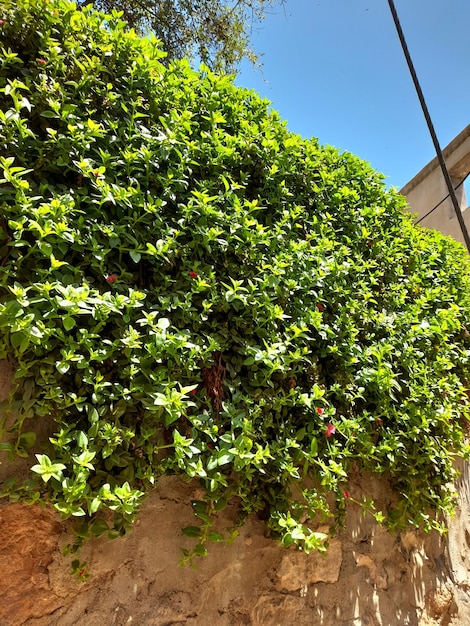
(214, 32)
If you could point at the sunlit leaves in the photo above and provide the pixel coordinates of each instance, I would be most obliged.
(47, 469)
(187, 288)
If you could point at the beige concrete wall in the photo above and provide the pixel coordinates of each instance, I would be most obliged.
(428, 188)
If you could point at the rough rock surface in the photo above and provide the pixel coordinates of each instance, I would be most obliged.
(368, 578)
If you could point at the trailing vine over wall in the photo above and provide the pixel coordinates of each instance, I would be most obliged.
(188, 288)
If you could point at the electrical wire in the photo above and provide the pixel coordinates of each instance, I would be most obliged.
(432, 132)
(443, 200)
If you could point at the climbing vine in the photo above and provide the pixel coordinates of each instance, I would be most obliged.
(188, 288)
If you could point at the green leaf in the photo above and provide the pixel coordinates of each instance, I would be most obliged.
(27, 440)
(63, 367)
(68, 323)
(215, 536)
(82, 440)
(93, 506)
(313, 447)
(224, 457)
(191, 531)
(99, 527)
(85, 458)
(46, 469)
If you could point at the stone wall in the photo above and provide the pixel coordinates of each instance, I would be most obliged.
(368, 578)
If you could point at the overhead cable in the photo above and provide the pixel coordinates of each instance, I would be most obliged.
(432, 132)
(443, 200)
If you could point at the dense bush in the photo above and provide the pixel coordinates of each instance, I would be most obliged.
(188, 288)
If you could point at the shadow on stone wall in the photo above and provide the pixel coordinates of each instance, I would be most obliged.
(368, 578)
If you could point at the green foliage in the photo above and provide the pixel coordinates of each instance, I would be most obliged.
(187, 288)
(214, 32)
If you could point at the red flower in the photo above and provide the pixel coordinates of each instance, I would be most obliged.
(320, 411)
(378, 422)
(193, 392)
(96, 174)
(111, 278)
(346, 494)
(330, 430)
(193, 274)
(41, 61)
(2, 22)
(320, 307)
(210, 446)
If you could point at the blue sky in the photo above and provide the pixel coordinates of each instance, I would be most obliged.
(334, 69)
